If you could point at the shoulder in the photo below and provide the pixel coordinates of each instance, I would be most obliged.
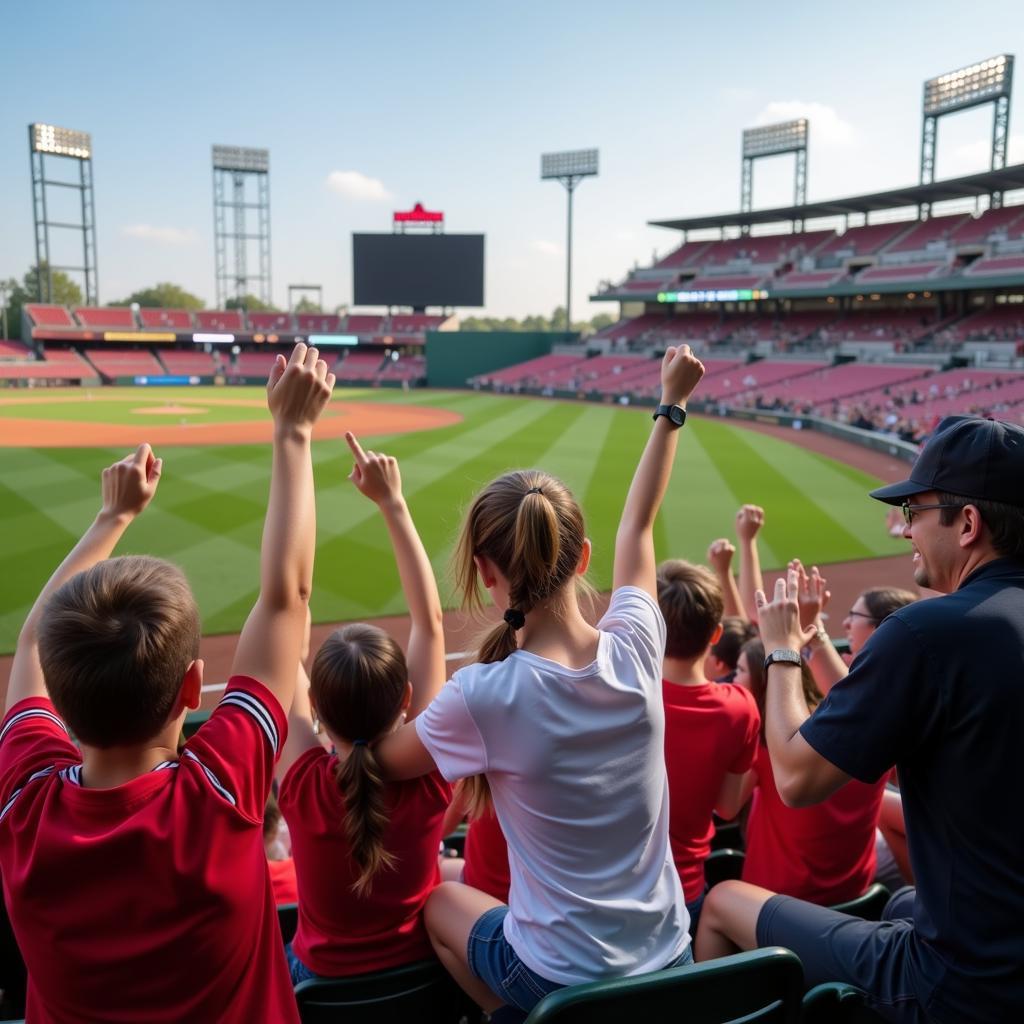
(634, 619)
(310, 769)
(738, 700)
(431, 791)
(247, 706)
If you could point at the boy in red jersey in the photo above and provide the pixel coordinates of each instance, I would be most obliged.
(136, 881)
(711, 729)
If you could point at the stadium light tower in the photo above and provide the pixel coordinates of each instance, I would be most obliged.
(771, 140)
(234, 166)
(988, 81)
(47, 140)
(570, 168)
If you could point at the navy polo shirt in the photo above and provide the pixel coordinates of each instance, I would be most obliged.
(938, 690)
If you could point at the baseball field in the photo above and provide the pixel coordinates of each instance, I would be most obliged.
(208, 513)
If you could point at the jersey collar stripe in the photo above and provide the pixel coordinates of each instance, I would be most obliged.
(214, 781)
(14, 796)
(72, 774)
(258, 710)
(164, 764)
(32, 713)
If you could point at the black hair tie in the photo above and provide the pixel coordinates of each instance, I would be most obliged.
(535, 490)
(515, 618)
(359, 743)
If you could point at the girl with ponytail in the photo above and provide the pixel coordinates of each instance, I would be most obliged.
(564, 722)
(365, 848)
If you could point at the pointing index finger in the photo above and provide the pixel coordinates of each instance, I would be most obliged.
(356, 447)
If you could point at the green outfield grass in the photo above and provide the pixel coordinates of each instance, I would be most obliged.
(208, 514)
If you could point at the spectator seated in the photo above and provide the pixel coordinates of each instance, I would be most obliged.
(166, 319)
(49, 316)
(895, 325)
(835, 382)
(1001, 323)
(319, 323)
(276, 322)
(220, 321)
(755, 377)
(116, 317)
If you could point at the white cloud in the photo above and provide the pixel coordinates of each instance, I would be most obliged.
(826, 126)
(360, 187)
(161, 235)
(546, 248)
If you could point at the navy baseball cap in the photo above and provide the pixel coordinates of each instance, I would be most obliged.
(967, 456)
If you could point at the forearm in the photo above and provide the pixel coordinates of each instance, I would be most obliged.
(785, 711)
(650, 481)
(826, 664)
(750, 576)
(414, 569)
(96, 545)
(731, 595)
(289, 531)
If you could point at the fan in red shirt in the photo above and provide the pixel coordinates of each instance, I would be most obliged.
(365, 849)
(711, 729)
(824, 853)
(136, 881)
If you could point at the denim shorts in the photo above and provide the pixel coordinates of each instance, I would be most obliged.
(296, 968)
(493, 960)
(873, 955)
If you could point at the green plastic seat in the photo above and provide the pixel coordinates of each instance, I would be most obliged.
(288, 919)
(835, 1002)
(423, 992)
(868, 906)
(722, 865)
(728, 836)
(764, 986)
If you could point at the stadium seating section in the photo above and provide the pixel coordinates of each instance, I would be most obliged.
(220, 320)
(167, 319)
(188, 363)
(128, 363)
(116, 317)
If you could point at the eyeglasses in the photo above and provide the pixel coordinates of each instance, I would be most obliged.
(851, 614)
(909, 511)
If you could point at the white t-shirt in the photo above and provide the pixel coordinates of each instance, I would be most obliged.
(576, 765)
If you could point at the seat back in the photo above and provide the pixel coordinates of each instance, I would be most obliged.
(764, 986)
(288, 919)
(722, 865)
(837, 1003)
(869, 905)
(422, 992)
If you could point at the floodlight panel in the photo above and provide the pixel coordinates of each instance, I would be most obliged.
(241, 158)
(967, 87)
(576, 163)
(785, 137)
(48, 138)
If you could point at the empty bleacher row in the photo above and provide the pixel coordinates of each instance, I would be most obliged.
(990, 244)
(408, 326)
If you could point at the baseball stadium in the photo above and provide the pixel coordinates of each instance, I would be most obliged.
(835, 336)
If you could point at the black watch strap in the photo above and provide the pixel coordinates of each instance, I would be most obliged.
(675, 414)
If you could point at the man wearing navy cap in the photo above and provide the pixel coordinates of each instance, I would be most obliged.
(938, 690)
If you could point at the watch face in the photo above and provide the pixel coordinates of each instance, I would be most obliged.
(676, 415)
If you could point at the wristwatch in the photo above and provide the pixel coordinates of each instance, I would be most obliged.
(784, 654)
(675, 414)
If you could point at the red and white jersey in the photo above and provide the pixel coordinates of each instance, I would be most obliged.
(150, 901)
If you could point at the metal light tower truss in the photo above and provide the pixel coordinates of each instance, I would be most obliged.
(233, 168)
(771, 140)
(47, 140)
(988, 81)
(570, 168)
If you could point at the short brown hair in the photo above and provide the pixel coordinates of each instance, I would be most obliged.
(691, 601)
(357, 683)
(115, 643)
(883, 601)
(1005, 522)
(736, 632)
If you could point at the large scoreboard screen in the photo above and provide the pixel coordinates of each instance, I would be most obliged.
(417, 270)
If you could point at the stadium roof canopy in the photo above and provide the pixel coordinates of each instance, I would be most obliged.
(1005, 180)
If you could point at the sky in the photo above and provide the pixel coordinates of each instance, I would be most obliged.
(368, 108)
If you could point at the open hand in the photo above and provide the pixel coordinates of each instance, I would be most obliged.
(779, 620)
(812, 595)
(129, 485)
(681, 372)
(749, 520)
(374, 475)
(720, 555)
(298, 390)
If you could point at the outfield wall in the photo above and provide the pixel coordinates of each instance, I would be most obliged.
(455, 356)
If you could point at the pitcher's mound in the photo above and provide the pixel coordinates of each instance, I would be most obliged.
(168, 410)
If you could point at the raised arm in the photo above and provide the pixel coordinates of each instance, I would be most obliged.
(635, 564)
(271, 640)
(127, 488)
(826, 665)
(720, 559)
(802, 775)
(749, 520)
(301, 733)
(377, 476)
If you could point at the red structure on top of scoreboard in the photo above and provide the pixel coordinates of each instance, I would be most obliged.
(418, 215)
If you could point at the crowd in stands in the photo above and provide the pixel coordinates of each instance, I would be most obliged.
(596, 763)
